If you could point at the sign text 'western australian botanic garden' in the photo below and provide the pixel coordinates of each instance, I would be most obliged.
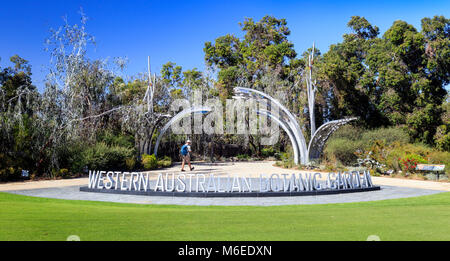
(210, 185)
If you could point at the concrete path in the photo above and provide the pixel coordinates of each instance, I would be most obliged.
(247, 169)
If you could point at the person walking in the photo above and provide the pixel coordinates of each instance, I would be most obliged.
(186, 155)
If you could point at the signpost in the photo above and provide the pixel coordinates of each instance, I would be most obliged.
(431, 167)
(25, 173)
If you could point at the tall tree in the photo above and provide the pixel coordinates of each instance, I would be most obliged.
(265, 49)
(18, 99)
(397, 79)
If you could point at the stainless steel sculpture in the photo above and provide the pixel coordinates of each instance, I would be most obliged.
(320, 137)
(287, 129)
(311, 90)
(176, 118)
(285, 117)
(290, 125)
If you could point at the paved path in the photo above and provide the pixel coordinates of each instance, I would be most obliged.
(73, 193)
(247, 169)
(69, 189)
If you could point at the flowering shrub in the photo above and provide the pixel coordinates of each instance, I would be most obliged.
(409, 163)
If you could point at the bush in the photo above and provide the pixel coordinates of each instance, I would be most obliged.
(341, 150)
(286, 158)
(277, 155)
(417, 153)
(410, 161)
(10, 173)
(417, 148)
(103, 156)
(444, 142)
(60, 173)
(288, 164)
(116, 139)
(243, 157)
(440, 157)
(267, 152)
(393, 158)
(165, 162)
(384, 145)
(64, 173)
(130, 163)
(149, 161)
(387, 135)
(348, 132)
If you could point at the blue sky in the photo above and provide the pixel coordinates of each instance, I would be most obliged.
(177, 30)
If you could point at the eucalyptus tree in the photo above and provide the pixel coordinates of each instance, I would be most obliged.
(144, 102)
(196, 87)
(18, 97)
(411, 73)
(264, 49)
(264, 59)
(397, 79)
(442, 136)
(75, 100)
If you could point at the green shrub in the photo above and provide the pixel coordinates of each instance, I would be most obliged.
(130, 163)
(288, 164)
(442, 137)
(444, 142)
(440, 157)
(287, 160)
(284, 156)
(267, 152)
(103, 156)
(341, 150)
(243, 157)
(116, 139)
(76, 157)
(149, 161)
(419, 153)
(165, 162)
(417, 148)
(387, 135)
(10, 173)
(393, 158)
(277, 155)
(384, 145)
(61, 173)
(348, 132)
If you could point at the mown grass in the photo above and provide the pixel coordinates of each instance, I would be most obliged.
(32, 218)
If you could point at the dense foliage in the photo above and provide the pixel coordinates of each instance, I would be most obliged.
(382, 150)
(397, 79)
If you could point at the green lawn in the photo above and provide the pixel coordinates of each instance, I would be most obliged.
(30, 218)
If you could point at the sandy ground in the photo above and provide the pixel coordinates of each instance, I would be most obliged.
(248, 169)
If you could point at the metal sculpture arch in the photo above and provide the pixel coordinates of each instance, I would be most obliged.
(286, 129)
(317, 142)
(289, 124)
(285, 119)
(177, 117)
